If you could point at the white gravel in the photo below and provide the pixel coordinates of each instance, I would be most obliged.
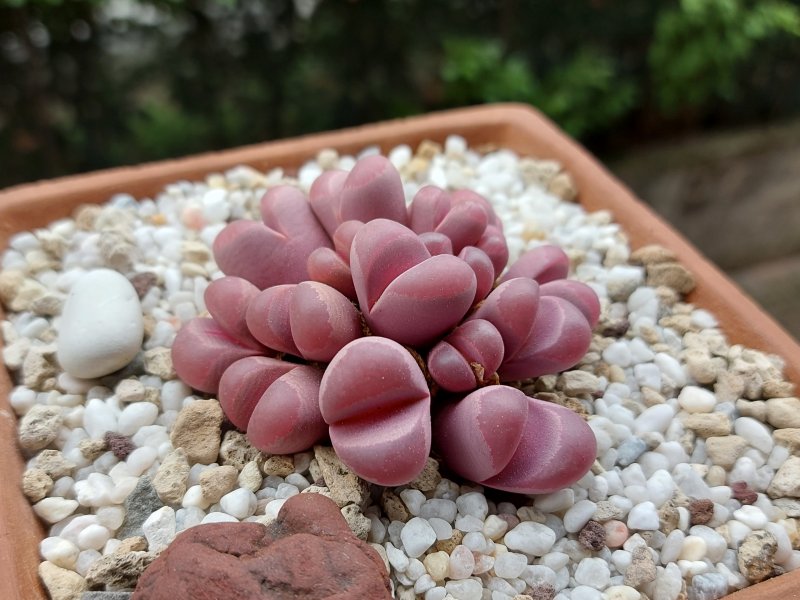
(658, 367)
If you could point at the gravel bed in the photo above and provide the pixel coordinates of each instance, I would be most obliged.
(694, 492)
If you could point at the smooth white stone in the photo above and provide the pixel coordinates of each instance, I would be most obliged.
(436, 593)
(751, 516)
(510, 565)
(417, 536)
(413, 499)
(531, 538)
(53, 510)
(593, 572)
(85, 561)
(467, 523)
(465, 589)
(439, 508)
(442, 528)
(59, 551)
(643, 516)
(694, 548)
(218, 517)
(756, 433)
(93, 537)
(141, 459)
(694, 399)
(99, 417)
(672, 547)
(160, 529)
(578, 515)
(461, 562)
(660, 487)
(655, 418)
(135, 416)
(239, 503)
(101, 325)
(397, 558)
(555, 502)
(473, 504)
(715, 543)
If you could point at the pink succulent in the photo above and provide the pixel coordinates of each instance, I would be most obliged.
(381, 308)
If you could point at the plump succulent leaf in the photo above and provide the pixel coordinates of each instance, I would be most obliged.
(482, 266)
(328, 267)
(467, 358)
(227, 300)
(244, 382)
(373, 190)
(544, 263)
(511, 307)
(379, 420)
(322, 321)
(201, 352)
(287, 418)
(268, 318)
(577, 293)
(276, 251)
(543, 447)
(560, 337)
(324, 198)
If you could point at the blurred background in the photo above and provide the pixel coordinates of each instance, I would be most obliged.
(694, 103)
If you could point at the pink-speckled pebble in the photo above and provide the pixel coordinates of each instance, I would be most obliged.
(616, 533)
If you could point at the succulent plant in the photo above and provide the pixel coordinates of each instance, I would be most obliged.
(390, 329)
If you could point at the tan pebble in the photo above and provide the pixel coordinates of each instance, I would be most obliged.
(783, 412)
(786, 481)
(680, 323)
(448, 544)
(563, 186)
(328, 158)
(577, 382)
(172, 476)
(393, 506)
(278, 465)
(346, 487)
(428, 149)
(62, 584)
(39, 365)
(91, 449)
(197, 431)
(729, 386)
(129, 390)
(36, 484)
(54, 464)
(250, 477)
(86, 215)
(716, 476)
(652, 397)
(668, 517)
(537, 171)
(755, 556)
(192, 270)
(753, 385)
(789, 438)
(606, 511)
(196, 252)
(158, 362)
(39, 427)
(616, 533)
(136, 543)
(14, 354)
(358, 523)
(642, 569)
(218, 481)
(752, 408)
(777, 388)
(708, 424)
(437, 564)
(725, 450)
(26, 295)
(652, 254)
(429, 478)
(48, 305)
(314, 470)
(673, 275)
(118, 570)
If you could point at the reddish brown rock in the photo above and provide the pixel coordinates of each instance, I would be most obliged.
(308, 552)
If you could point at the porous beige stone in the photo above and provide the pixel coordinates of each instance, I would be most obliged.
(171, 478)
(158, 362)
(346, 487)
(39, 427)
(786, 481)
(36, 484)
(218, 481)
(62, 584)
(783, 412)
(756, 556)
(725, 450)
(197, 430)
(708, 424)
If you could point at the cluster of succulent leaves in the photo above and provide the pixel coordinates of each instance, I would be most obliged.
(390, 329)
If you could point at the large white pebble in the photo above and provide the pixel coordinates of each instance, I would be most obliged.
(53, 510)
(59, 551)
(695, 399)
(136, 416)
(417, 536)
(531, 538)
(101, 325)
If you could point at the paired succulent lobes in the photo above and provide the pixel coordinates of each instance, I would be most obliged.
(333, 305)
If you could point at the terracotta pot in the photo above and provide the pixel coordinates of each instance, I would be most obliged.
(517, 127)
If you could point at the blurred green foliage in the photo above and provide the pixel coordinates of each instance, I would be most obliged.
(91, 83)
